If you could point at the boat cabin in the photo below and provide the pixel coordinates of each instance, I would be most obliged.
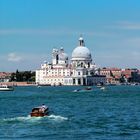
(39, 112)
(6, 88)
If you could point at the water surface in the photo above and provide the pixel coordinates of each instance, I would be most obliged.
(110, 114)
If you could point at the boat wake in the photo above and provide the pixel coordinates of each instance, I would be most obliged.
(57, 118)
(33, 119)
(20, 119)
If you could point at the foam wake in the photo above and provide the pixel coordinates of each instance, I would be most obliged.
(57, 118)
(21, 119)
(33, 119)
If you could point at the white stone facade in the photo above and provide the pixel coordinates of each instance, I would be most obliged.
(79, 71)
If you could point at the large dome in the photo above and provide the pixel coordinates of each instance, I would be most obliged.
(81, 52)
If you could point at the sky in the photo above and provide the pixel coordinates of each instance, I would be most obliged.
(30, 29)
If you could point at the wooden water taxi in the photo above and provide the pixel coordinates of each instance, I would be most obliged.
(40, 111)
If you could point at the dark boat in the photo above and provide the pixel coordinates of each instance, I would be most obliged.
(39, 111)
(88, 88)
(83, 90)
(77, 90)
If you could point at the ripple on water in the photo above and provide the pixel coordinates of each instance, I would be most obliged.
(110, 115)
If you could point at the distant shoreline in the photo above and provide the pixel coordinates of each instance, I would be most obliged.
(18, 83)
(34, 84)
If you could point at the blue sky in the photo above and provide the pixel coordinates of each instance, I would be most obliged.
(30, 29)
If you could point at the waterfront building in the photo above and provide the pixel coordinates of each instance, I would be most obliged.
(5, 76)
(79, 71)
(135, 76)
(113, 75)
(127, 73)
(105, 71)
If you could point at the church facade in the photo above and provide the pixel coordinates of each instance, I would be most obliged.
(79, 71)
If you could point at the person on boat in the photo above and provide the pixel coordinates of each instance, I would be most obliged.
(43, 107)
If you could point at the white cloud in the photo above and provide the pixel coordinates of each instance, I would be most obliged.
(127, 60)
(24, 31)
(130, 25)
(56, 32)
(13, 57)
(132, 43)
(35, 31)
(135, 40)
(21, 61)
(126, 25)
(136, 55)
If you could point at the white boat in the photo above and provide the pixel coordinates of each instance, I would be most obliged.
(6, 88)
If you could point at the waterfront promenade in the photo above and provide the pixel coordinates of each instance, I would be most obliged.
(18, 83)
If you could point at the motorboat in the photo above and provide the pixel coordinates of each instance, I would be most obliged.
(99, 85)
(88, 88)
(83, 90)
(39, 111)
(38, 86)
(77, 90)
(102, 88)
(6, 88)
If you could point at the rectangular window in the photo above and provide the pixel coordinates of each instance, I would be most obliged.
(73, 81)
(79, 81)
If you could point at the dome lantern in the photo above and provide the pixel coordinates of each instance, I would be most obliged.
(81, 41)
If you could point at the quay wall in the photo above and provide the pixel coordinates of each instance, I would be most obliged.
(18, 83)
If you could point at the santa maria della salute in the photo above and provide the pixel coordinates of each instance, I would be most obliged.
(80, 70)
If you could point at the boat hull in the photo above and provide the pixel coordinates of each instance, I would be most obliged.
(6, 89)
(40, 114)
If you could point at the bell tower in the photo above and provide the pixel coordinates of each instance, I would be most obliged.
(55, 56)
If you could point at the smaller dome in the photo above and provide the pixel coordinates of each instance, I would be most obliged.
(63, 56)
(61, 49)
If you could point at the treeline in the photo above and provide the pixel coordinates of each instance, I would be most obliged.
(23, 76)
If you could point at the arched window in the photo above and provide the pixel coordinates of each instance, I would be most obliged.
(88, 65)
(57, 58)
(81, 64)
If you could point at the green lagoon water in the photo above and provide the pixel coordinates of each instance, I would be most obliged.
(112, 114)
